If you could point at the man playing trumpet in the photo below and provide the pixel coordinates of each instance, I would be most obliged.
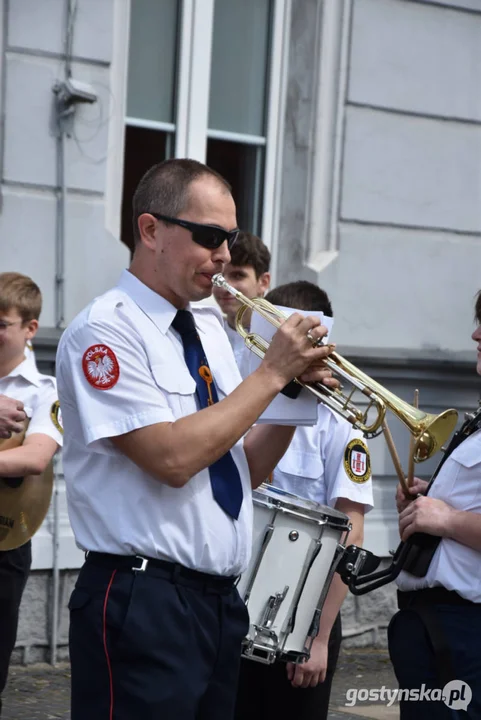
(159, 463)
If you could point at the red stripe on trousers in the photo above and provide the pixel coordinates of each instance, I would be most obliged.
(106, 650)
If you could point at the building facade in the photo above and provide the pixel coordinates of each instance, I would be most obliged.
(350, 131)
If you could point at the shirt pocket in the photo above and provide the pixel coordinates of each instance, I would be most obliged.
(468, 454)
(301, 464)
(225, 378)
(178, 386)
(460, 478)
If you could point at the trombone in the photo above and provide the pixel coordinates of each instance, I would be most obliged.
(429, 431)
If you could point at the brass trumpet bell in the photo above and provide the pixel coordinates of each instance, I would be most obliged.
(430, 431)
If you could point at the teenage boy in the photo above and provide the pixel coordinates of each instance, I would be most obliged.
(20, 306)
(248, 272)
(318, 466)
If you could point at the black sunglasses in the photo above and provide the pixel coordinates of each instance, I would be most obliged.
(209, 236)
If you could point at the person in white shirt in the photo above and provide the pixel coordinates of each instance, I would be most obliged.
(20, 306)
(248, 272)
(318, 465)
(159, 460)
(30, 354)
(435, 637)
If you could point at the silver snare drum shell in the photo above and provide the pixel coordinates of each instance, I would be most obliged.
(296, 546)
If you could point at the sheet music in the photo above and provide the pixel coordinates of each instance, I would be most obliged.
(284, 410)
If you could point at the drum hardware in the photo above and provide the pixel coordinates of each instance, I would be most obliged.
(259, 652)
(265, 543)
(340, 550)
(317, 548)
(265, 628)
(354, 559)
(314, 629)
(272, 608)
(430, 431)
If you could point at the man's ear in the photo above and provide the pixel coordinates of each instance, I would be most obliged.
(32, 328)
(264, 283)
(146, 225)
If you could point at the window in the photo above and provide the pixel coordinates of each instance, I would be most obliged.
(204, 81)
(242, 165)
(238, 101)
(151, 95)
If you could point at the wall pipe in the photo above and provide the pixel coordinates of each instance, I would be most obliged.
(64, 112)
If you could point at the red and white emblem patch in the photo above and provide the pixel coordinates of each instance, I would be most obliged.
(101, 367)
(357, 462)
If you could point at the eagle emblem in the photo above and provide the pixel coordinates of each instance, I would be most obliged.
(100, 367)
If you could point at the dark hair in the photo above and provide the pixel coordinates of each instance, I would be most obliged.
(19, 292)
(477, 308)
(250, 250)
(165, 188)
(302, 295)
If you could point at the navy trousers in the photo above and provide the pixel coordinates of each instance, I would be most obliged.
(14, 570)
(164, 643)
(265, 693)
(412, 656)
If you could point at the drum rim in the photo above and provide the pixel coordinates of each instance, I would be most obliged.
(321, 513)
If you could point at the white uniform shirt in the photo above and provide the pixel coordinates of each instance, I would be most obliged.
(320, 463)
(30, 354)
(115, 506)
(239, 348)
(39, 395)
(455, 566)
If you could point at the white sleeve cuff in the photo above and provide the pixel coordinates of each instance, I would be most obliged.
(127, 424)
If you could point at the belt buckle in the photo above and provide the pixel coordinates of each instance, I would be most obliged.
(143, 566)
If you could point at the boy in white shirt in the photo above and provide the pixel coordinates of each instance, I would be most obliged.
(317, 465)
(28, 452)
(248, 272)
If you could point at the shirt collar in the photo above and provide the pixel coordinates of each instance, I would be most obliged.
(158, 309)
(28, 371)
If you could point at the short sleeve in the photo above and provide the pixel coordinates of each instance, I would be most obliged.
(347, 464)
(46, 418)
(104, 376)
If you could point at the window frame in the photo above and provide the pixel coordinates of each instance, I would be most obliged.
(190, 129)
(321, 242)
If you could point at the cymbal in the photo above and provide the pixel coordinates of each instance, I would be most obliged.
(24, 503)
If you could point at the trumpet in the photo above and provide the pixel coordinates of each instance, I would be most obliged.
(429, 431)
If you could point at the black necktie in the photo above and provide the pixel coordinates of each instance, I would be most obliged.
(224, 475)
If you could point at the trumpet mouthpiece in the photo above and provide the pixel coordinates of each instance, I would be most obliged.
(218, 280)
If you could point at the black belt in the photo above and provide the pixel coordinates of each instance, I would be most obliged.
(174, 572)
(430, 596)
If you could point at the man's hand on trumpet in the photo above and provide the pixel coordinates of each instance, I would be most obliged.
(291, 353)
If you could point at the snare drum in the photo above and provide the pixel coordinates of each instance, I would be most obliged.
(296, 546)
